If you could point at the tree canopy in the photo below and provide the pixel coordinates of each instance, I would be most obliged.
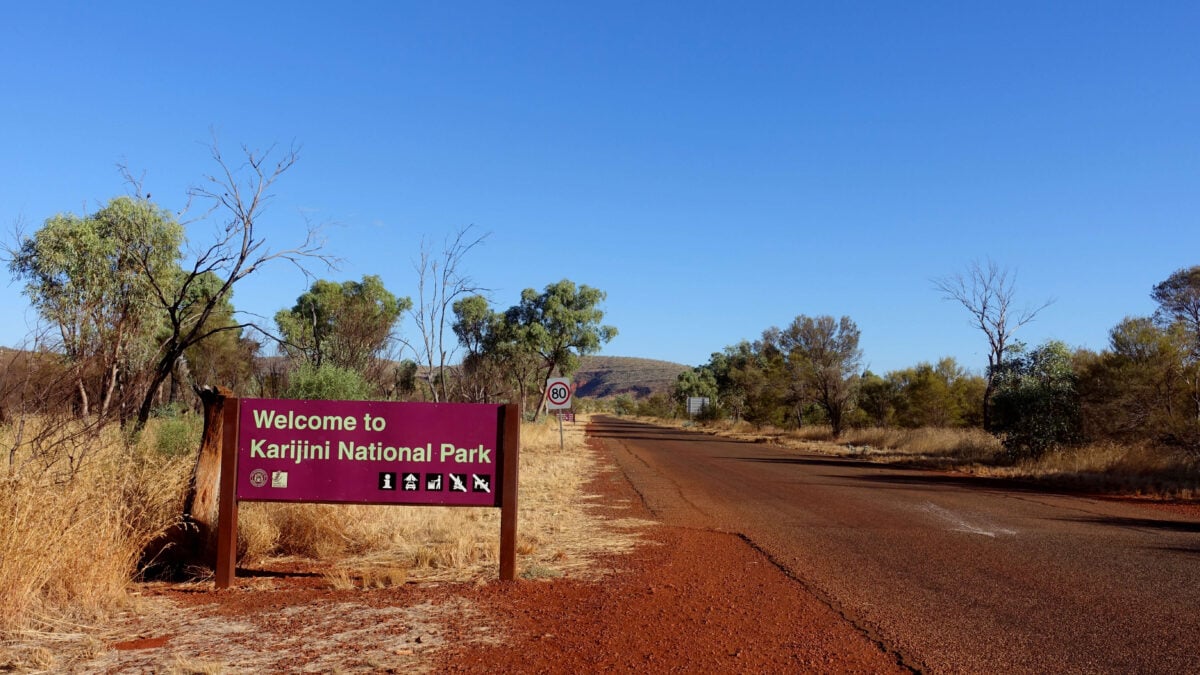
(96, 278)
(344, 324)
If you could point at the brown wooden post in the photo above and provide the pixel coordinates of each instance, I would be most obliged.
(510, 455)
(226, 563)
(200, 502)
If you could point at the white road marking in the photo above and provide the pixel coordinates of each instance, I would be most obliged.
(958, 523)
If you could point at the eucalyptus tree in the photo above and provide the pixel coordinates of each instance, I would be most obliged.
(238, 195)
(499, 362)
(825, 358)
(1037, 400)
(560, 325)
(346, 324)
(1140, 387)
(441, 282)
(988, 293)
(95, 278)
(546, 333)
(1178, 298)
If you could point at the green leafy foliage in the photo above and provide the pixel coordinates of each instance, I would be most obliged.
(560, 324)
(96, 279)
(1141, 387)
(941, 395)
(514, 352)
(624, 405)
(1178, 298)
(657, 405)
(178, 435)
(343, 324)
(327, 382)
(824, 360)
(1036, 402)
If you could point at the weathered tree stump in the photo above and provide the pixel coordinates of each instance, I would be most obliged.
(189, 549)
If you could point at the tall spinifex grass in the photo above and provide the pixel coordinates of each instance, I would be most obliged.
(76, 510)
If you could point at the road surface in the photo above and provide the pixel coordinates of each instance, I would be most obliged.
(949, 573)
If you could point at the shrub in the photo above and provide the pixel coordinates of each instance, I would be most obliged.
(179, 436)
(656, 405)
(624, 405)
(1036, 404)
(327, 383)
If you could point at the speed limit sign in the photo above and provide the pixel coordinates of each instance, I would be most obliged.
(558, 393)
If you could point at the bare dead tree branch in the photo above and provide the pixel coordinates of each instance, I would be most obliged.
(440, 282)
(988, 293)
(242, 193)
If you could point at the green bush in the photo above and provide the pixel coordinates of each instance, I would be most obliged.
(327, 383)
(1036, 404)
(624, 404)
(657, 405)
(179, 435)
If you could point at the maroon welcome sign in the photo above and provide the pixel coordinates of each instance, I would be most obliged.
(368, 452)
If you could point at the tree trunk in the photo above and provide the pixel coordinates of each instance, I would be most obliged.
(987, 404)
(106, 402)
(201, 502)
(83, 398)
(162, 370)
(191, 545)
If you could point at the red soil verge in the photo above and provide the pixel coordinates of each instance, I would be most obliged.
(683, 601)
(686, 601)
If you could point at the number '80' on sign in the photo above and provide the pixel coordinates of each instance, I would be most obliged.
(558, 393)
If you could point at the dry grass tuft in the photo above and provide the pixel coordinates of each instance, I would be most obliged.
(557, 529)
(1129, 469)
(71, 532)
(72, 527)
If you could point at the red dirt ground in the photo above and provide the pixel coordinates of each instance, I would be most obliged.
(684, 601)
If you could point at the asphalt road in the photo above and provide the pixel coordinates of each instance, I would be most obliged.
(949, 573)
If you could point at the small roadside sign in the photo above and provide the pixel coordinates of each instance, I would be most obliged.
(558, 393)
(696, 405)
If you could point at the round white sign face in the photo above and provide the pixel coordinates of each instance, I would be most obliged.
(558, 393)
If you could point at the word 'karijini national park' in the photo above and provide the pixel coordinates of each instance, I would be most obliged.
(302, 449)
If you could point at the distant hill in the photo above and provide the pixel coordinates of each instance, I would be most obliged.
(605, 376)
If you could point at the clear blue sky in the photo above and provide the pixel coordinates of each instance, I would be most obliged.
(716, 168)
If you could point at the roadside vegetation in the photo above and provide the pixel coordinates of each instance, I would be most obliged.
(71, 545)
(100, 410)
(100, 413)
(1126, 419)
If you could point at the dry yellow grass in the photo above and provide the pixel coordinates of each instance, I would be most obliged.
(1127, 469)
(1132, 469)
(70, 548)
(379, 545)
(70, 542)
